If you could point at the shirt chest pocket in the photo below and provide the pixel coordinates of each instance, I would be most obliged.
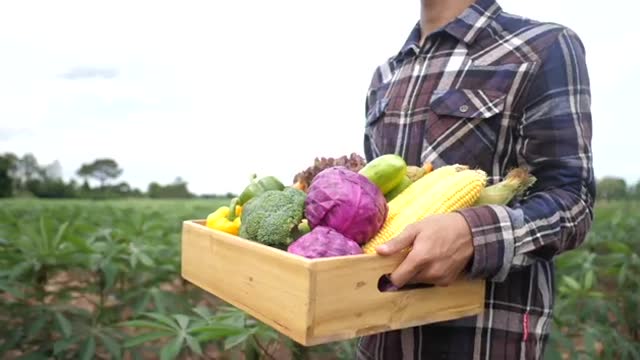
(464, 126)
(467, 103)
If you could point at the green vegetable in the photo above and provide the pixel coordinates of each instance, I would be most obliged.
(274, 218)
(386, 171)
(398, 189)
(255, 188)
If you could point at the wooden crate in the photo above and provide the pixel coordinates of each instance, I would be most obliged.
(315, 301)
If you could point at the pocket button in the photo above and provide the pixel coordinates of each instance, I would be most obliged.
(464, 108)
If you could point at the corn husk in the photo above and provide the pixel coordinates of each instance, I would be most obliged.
(515, 183)
(415, 172)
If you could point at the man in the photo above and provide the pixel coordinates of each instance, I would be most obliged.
(474, 85)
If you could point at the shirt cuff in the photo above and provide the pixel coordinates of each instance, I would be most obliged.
(492, 230)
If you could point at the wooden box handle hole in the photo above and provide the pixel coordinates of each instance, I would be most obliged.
(385, 285)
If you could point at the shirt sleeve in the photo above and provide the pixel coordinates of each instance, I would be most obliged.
(372, 95)
(554, 142)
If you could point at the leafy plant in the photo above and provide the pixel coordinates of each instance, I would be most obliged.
(82, 280)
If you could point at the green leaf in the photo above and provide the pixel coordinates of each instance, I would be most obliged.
(110, 272)
(216, 331)
(571, 282)
(88, 349)
(230, 316)
(267, 332)
(21, 269)
(36, 326)
(111, 345)
(619, 247)
(59, 234)
(588, 280)
(63, 324)
(141, 305)
(159, 300)
(552, 353)
(596, 294)
(622, 274)
(80, 244)
(203, 312)
(147, 324)
(172, 349)
(145, 259)
(43, 240)
(235, 340)
(194, 345)
(183, 320)
(144, 338)
(63, 344)
(163, 319)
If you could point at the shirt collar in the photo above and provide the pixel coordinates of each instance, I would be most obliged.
(412, 44)
(466, 27)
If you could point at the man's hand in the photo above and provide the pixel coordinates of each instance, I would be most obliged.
(442, 248)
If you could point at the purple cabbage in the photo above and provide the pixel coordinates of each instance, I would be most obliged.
(324, 242)
(347, 202)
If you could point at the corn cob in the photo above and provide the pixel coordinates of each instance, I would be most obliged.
(419, 187)
(446, 194)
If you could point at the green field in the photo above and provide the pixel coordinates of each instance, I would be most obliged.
(86, 279)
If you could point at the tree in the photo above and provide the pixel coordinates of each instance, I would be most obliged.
(28, 167)
(177, 189)
(7, 166)
(611, 187)
(636, 190)
(101, 170)
(24, 170)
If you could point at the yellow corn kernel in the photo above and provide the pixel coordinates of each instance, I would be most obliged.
(451, 193)
(419, 187)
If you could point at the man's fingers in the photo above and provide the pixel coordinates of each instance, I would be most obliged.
(432, 274)
(400, 242)
(405, 271)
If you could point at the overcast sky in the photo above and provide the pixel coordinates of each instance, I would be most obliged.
(207, 90)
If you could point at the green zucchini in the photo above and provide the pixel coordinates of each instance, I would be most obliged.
(386, 171)
(398, 189)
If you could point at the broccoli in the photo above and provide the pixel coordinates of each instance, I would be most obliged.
(274, 218)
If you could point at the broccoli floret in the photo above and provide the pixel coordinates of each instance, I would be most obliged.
(272, 218)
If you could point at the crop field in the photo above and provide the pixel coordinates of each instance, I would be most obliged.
(84, 279)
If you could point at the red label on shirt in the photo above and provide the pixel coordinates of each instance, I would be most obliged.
(525, 326)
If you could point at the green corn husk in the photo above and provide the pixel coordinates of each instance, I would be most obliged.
(516, 182)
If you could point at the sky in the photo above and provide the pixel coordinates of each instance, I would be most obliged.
(214, 91)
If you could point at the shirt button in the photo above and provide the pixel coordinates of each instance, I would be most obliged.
(405, 108)
(464, 108)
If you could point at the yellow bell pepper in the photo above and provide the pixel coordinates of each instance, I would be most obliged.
(220, 220)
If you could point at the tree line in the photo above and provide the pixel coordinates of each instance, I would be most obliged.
(22, 176)
(616, 188)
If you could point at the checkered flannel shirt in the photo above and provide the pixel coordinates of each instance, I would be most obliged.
(493, 91)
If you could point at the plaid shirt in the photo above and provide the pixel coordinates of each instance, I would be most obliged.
(493, 91)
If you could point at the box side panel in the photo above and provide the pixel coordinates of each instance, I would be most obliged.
(348, 304)
(266, 284)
